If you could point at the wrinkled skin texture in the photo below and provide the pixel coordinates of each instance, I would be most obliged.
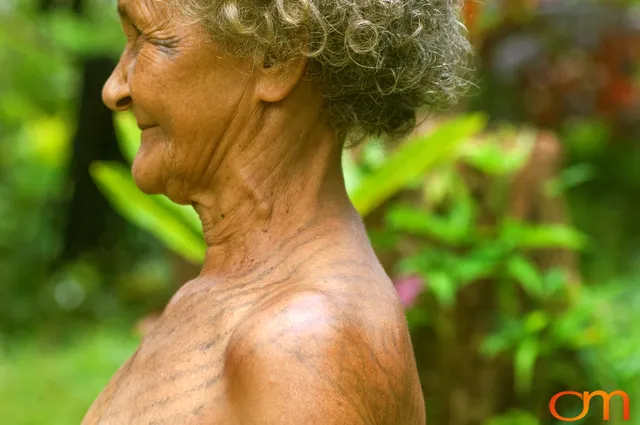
(292, 319)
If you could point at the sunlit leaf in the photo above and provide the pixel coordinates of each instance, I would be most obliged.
(128, 134)
(129, 139)
(115, 182)
(412, 159)
(352, 174)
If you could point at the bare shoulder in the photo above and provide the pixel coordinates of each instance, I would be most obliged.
(314, 356)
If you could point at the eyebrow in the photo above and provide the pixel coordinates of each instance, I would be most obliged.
(122, 11)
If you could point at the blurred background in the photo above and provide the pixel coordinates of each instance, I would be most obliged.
(509, 224)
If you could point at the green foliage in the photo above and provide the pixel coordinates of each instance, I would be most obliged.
(414, 158)
(168, 224)
(56, 385)
(178, 226)
(514, 417)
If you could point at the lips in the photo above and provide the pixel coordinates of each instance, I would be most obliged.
(143, 127)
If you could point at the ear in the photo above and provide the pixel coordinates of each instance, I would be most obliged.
(276, 79)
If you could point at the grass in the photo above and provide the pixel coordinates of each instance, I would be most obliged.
(55, 386)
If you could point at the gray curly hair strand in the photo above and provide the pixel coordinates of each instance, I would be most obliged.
(377, 63)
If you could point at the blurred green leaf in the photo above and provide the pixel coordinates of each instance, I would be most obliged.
(462, 219)
(412, 159)
(419, 222)
(49, 140)
(526, 273)
(85, 36)
(492, 157)
(494, 344)
(351, 171)
(143, 210)
(128, 134)
(443, 287)
(540, 236)
(570, 178)
(524, 362)
(374, 154)
(472, 268)
(129, 139)
(586, 137)
(536, 321)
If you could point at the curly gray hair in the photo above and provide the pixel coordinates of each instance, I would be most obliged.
(376, 62)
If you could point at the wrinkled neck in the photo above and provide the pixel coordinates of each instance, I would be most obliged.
(280, 177)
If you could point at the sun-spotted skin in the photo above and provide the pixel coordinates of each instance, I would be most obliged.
(292, 321)
(324, 332)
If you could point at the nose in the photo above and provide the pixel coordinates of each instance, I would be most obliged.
(115, 93)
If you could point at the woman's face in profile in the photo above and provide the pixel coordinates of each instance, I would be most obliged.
(184, 92)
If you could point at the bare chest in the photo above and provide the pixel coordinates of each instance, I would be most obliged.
(175, 377)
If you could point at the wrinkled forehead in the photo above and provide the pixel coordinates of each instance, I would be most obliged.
(146, 8)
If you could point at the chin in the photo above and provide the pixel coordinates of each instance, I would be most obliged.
(151, 181)
(147, 177)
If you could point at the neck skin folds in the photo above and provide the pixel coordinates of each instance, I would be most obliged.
(275, 172)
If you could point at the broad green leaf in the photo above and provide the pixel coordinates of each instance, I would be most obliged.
(494, 157)
(526, 273)
(443, 287)
(129, 139)
(412, 159)
(128, 134)
(115, 182)
(541, 236)
(185, 213)
(352, 174)
(524, 363)
(419, 222)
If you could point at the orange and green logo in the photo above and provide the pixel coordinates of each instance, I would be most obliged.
(586, 399)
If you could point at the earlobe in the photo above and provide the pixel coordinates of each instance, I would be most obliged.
(276, 79)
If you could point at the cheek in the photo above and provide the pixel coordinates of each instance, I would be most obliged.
(148, 86)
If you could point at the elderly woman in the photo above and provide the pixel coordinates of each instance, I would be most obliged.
(245, 107)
